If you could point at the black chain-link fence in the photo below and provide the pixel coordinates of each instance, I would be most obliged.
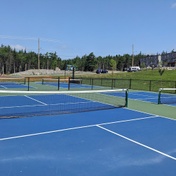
(136, 84)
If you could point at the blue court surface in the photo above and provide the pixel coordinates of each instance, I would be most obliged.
(152, 97)
(11, 85)
(146, 96)
(112, 142)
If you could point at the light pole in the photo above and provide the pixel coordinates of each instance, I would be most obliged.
(38, 53)
(132, 64)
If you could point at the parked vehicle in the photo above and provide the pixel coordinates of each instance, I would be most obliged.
(104, 71)
(99, 71)
(134, 69)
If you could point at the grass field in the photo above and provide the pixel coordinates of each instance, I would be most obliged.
(143, 75)
(149, 80)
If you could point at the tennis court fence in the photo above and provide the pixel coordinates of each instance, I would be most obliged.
(107, 83)
(135, 84)
(87, 83)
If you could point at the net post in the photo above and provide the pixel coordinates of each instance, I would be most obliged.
(126, 98)
(58, 86)
(28, 80)
(42, 81)
(159, 96)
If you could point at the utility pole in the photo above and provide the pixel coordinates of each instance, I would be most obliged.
(38, 53)
(132, 55)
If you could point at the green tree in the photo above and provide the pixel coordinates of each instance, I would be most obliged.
(90, 63)
(112, 64)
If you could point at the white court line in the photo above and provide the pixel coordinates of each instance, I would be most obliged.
(23, 106)
(138, 143)
(35, 100)
(41, 105)
(151, 98)
(72, 128)
(3, 87)
(130, 120)
(46, 132)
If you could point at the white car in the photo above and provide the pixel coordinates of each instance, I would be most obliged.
(134, 69)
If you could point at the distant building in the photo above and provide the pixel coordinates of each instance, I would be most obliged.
(169, 59)
(165, 59)
(149, 61)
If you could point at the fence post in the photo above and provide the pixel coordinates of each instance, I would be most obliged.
(130, 84)
(58, 83)
(112, 83)
(150, 85)
(92, 83)
(28, 82)
(69, 83)
(115, 82)
(126, 98)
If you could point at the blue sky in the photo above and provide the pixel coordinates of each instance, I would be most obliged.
(78, 27)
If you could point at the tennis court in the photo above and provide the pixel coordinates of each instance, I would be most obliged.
(68, 84)
(12, 83)
(152, 97)
(103, 141)
(75, 84)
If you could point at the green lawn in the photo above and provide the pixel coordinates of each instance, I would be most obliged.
(149, 80)
(144, 75)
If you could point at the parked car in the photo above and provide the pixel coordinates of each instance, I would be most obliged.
(101, 71)
(98, 71)
(104, 71)
(134, 69)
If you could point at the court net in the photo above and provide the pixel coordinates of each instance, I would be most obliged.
(58, 81)
(11, 81)
(37, 103)
(167, 96)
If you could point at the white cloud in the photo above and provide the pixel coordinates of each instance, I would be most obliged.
(18, 47)
(173, 5)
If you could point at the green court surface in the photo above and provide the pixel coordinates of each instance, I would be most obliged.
(162, 110)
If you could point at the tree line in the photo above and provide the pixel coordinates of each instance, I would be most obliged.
(12, 61)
